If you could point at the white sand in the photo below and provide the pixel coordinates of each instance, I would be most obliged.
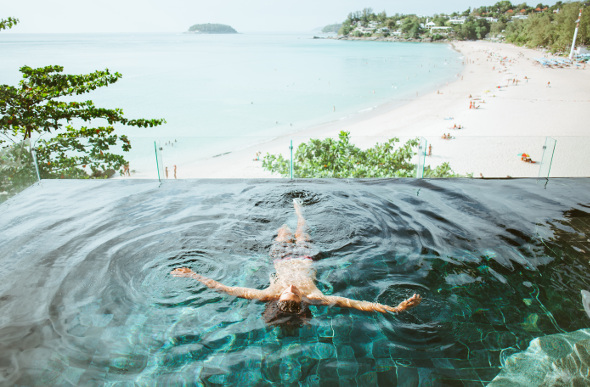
(510, 120)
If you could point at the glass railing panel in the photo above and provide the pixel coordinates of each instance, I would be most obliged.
(17, 170)
(463, 156)
(571, 157)
(249, 157)
(487, 157)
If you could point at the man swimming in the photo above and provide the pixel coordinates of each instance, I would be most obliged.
(292, 288)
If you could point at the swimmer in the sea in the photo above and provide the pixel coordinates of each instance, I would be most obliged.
(292, 287)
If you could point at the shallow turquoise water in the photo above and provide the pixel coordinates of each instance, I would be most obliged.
(87, 298)
(216, 87)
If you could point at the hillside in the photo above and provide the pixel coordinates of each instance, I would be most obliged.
(212, 29)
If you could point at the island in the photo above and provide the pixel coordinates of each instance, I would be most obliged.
(212, 29)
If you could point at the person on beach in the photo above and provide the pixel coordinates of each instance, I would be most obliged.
(126, 170)
(292, 288)
(526, 158)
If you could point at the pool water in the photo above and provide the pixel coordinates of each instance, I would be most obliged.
(87, 299)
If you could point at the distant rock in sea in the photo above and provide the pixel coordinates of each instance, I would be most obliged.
(212, 29)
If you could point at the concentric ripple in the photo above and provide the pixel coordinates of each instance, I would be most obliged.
(87, 296)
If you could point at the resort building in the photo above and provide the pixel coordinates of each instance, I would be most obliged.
(458, 20)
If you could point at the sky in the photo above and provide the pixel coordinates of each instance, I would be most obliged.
(92, 16)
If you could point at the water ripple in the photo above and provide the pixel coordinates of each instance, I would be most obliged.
(87, 296)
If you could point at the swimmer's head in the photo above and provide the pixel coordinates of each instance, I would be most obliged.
(288, 312)
(289, 306)
(290, 300)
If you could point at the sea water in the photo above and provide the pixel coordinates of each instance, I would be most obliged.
(227, 89)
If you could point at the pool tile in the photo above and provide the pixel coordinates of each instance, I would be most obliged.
(367, 379)
(407, 376)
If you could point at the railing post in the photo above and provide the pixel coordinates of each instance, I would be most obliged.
(422, 145)
(547, 160)
(157, 163)
(291, 149)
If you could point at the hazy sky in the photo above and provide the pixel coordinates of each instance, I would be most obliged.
(56, 16)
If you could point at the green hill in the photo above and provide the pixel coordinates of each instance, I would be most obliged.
(212, 29)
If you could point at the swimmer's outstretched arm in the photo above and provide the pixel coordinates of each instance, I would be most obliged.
(368, 306)
(247, 293)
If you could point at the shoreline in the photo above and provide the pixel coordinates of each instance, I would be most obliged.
(517, 109)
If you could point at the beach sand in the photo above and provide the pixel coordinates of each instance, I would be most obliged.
(520, 104)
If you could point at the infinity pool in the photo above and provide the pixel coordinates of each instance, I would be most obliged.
(87, 299)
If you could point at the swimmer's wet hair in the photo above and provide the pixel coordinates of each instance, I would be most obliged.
(289, 306)
(288, 322)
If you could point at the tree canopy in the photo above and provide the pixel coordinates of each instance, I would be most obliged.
(330, 158)
(545, 26)
(70, 139)
(331, 28)
(37, 108)
(552, 30)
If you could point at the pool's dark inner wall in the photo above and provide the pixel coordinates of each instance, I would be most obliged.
(86, 298)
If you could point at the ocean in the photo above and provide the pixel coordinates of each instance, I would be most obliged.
(226, 90)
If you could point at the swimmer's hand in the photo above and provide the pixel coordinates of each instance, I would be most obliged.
(411, 302)
(182, 272)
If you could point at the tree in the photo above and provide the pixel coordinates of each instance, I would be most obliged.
(382, 17)
(331, 158)
(541, 30)
(516, 32)
(36, 108)
(8, 23)
(41, 105)
(411, 26)
(345, 29)
(331, 28)
(366, 16)
(472, 29)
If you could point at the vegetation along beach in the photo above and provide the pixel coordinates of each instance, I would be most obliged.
(518, 84)
(505, 102)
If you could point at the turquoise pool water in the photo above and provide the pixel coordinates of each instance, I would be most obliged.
(86, 296)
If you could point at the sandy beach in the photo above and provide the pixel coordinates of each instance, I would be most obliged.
(515, 105)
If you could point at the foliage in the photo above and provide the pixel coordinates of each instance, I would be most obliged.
(212, 29)
(332, 28)
(551, 30)
(330, 158)
(546, 26)
(17, 170)
(8, 23)
(472, 29)
(37, 107)
(411, 27)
